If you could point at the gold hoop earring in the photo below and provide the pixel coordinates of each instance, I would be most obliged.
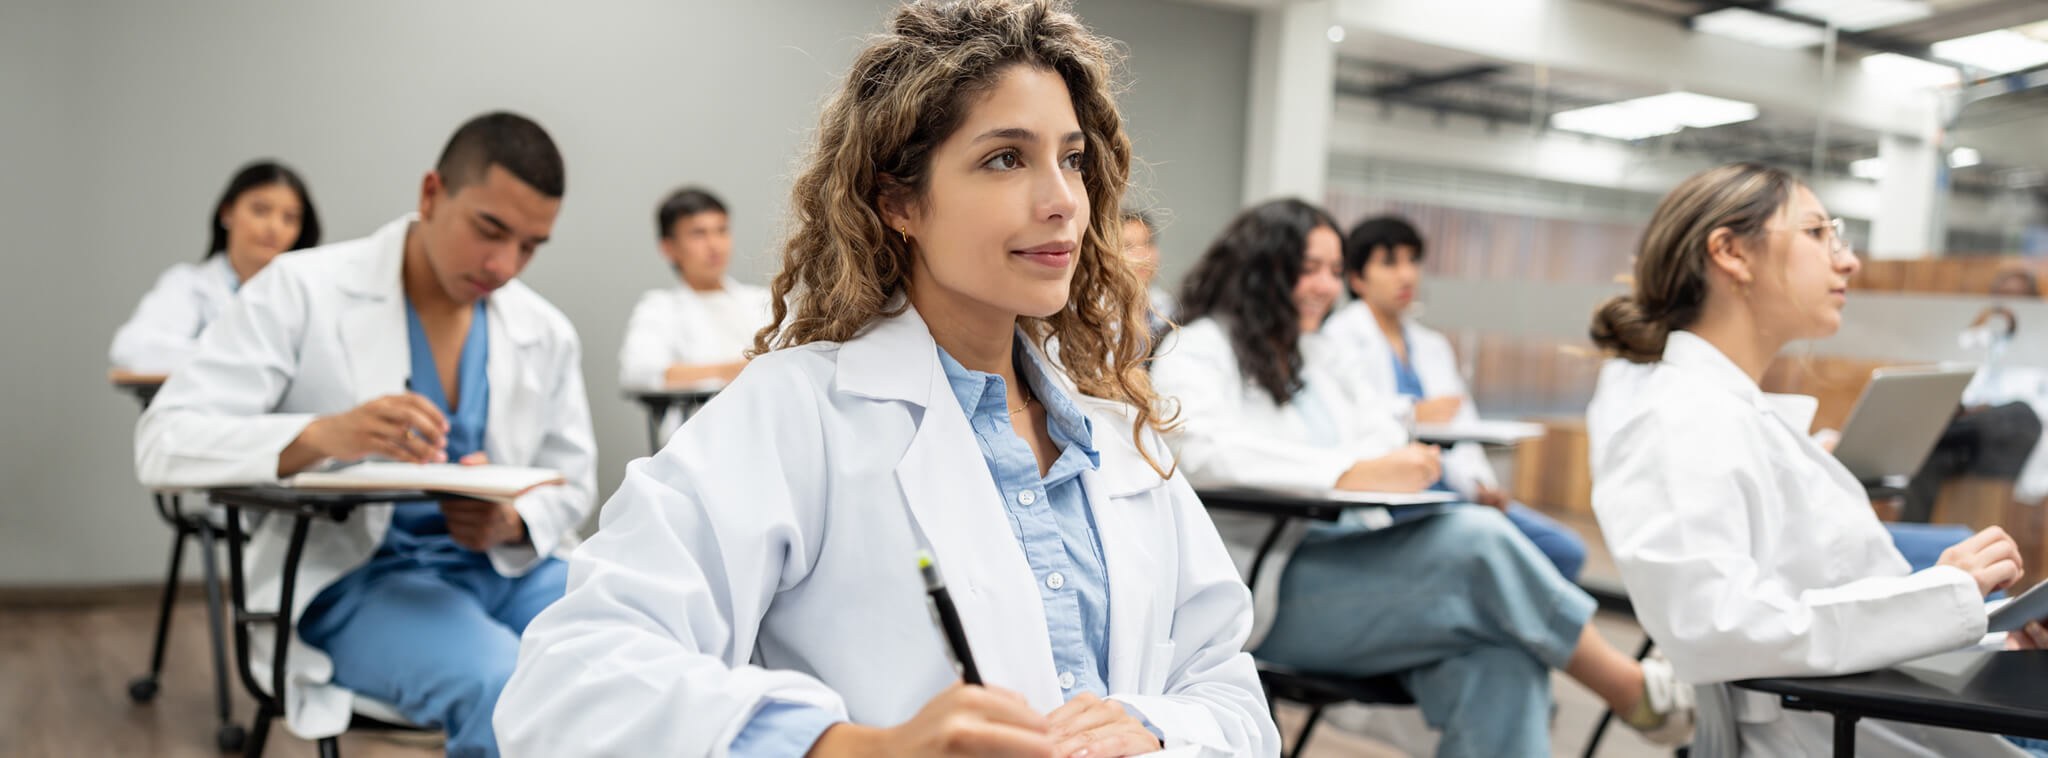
(904, 232)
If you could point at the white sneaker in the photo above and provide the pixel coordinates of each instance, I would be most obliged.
(1670, 699)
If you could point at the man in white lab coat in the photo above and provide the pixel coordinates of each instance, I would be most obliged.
(697, 332)
(414, 344)
(1412, 370)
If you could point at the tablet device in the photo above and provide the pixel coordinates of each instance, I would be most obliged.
(1899, 417)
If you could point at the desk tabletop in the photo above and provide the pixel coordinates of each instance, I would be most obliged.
(675, 395)
(1322, 506)
(331, 503)
(2004, 692)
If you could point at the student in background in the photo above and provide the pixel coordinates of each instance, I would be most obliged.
(753, 588)
(1411, 367)
(1748, 550)
(264, 211)
(1997, 430)
(1455, 602)
(416, 344)
(697, 332)
(1141, 245)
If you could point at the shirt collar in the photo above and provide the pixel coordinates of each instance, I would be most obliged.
(1070, 428)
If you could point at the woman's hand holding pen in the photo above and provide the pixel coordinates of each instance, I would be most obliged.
(1091, 727)
(964, 720)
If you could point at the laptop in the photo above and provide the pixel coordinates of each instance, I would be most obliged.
(1899, 417)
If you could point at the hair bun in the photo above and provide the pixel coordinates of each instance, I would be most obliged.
(1620, 327)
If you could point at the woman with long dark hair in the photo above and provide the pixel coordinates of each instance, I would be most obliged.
(1454, 600)
(265, 210)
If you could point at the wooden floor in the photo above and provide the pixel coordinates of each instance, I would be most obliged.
(64, 674)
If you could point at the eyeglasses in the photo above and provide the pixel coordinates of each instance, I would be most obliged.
(1833, 233)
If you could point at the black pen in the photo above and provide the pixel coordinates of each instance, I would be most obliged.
(948, 617)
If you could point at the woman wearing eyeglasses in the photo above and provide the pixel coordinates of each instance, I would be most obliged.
(1748, 550)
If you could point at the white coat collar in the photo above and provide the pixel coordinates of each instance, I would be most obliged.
(1694, 355)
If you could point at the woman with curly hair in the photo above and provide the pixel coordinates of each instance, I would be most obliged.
(753, 589)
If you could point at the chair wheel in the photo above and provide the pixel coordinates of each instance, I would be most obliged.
(142, 690)
(230, 738)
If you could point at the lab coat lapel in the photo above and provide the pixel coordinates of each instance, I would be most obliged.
(374, 335)
(1134, 525)
(956, 510)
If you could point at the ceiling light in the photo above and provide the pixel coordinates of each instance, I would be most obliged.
(1894, 68)
(1995, 51)
(1859, 15)
(1868, 168)
(1758, 28)
(1336, 33)
(1964, 157)
(1652, 116)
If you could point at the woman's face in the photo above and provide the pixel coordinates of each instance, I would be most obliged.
(1315, 293)
(261, 223)
(998, 228)
(1802, 279)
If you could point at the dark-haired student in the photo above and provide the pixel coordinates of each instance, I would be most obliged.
(1458, 604)
(264, 211)
(415, 344)
(697, 332)
(1412, 368)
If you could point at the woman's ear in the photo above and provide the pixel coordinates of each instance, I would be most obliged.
(1727, 254)
(895, 210)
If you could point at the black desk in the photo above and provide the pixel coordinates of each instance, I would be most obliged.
(657, 403)
(2008, 694)
(301, 506)
(142, 386)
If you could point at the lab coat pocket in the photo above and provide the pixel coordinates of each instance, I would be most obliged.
(1158, 664)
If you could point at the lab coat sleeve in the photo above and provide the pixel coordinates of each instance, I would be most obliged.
(1677, 518)
(648, 652)
(211, 424)
(1200, 375)
(644, 356)
(163, 332)
(552, 514)
(1211, 696)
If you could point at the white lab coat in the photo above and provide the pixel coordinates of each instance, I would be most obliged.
(1232, 434)
(1353, 327)
(164, 330)
(769, 552)
(681, 325)
(322, 331)
(1751, 552)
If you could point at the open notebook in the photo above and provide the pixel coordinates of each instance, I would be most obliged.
(486, 482)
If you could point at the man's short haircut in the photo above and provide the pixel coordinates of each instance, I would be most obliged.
(506, 140)
(1379, 232)
(682, 204)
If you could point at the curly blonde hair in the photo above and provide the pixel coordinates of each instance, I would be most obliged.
(907, 92)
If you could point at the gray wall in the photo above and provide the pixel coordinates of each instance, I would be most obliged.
(122, 121)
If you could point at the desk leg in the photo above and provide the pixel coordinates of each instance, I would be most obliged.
(1845, 734)
(213, 613)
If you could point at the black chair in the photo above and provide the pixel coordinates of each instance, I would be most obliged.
(228, 736)
(1320, 691)
(279, 502)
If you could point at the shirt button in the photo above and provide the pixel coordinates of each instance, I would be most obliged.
(1055, 581)
(1027, 497)
(1066, 680)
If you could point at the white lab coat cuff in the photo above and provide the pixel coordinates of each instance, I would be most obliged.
(1181, 720)
(542, 537)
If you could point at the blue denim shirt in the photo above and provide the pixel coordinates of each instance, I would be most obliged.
(1051, 520)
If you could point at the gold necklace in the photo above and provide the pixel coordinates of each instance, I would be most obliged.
(1027, 401)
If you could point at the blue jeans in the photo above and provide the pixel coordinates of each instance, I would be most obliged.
(1460, 605)
(437, 641)
(1565, 549)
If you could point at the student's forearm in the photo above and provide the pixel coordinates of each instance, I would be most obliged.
(301, 454)
(691, 373)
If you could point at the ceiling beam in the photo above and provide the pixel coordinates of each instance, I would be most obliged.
(1420, 80)
(1874, 42)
